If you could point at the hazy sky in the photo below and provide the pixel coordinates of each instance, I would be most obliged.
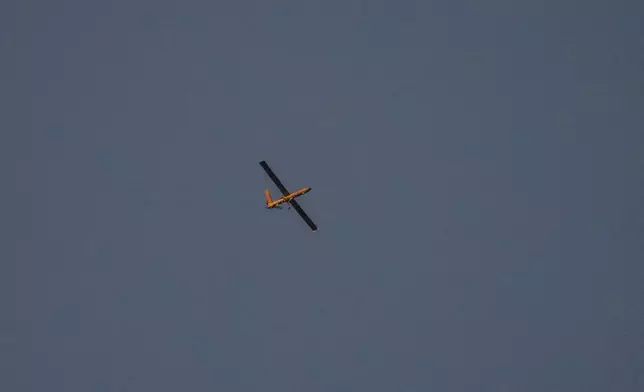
(477, 182)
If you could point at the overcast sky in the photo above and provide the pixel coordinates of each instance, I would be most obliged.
(477, 182)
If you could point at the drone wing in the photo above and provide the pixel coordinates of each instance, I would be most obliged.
(273, 177)
(300, 211)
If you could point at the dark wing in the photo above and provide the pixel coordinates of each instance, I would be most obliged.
(299, 210)
(273, 177)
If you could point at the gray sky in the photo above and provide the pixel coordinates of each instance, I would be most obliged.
(476, 173)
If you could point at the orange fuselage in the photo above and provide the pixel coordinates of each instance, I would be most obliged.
(273, 204)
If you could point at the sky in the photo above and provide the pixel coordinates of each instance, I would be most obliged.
(476, 179)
